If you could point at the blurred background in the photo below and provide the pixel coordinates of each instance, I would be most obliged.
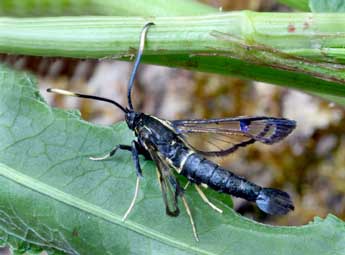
(309, 164)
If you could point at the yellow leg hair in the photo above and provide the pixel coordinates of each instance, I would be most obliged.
(203, 196)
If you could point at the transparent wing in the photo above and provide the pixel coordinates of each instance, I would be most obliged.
(169, 185)
(224, 136)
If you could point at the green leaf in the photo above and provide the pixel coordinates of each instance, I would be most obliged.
(52, 196)
(301, 5)
(327, 5)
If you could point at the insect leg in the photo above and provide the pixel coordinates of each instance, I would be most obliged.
(186, 186)
(135, 157)
(133, 200)
(179, 192)
(205, 199)
(112, 152)
(190, 216)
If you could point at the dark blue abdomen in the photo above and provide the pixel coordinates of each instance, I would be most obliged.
(201, 170)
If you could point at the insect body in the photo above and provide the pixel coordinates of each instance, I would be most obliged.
(167, 143)
(170, 145)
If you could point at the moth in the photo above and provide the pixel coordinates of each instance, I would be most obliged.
(170, 145)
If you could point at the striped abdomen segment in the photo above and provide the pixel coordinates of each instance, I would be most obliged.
(200, 170)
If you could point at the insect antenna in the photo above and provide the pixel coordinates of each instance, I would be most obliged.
(137, 62)
(69, 93)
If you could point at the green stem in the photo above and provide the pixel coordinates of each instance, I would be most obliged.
(263, 46)
(153, 8)
(34, 8)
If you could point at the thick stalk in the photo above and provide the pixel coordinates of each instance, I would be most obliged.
(34, 8)
(264, 46)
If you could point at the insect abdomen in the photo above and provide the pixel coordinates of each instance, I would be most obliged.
(200, 170)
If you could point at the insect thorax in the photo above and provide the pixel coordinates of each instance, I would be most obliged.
(160, 137)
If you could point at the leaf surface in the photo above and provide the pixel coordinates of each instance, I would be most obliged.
(54, 197)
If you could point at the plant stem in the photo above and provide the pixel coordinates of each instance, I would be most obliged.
(271, 47)
(34, 8)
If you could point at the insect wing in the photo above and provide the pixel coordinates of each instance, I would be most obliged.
(169, 185)
(224, 136)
